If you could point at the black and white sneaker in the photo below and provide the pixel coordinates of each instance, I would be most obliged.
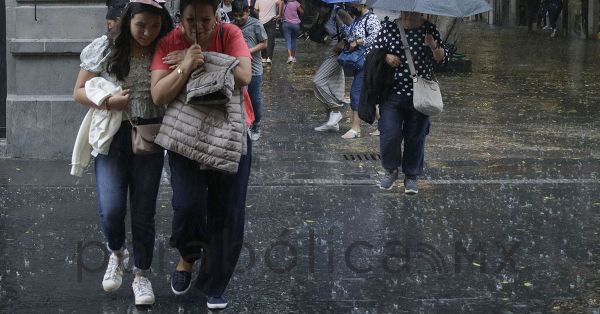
(254, 132)
(216, 303)
(410, 186)
(181, 282)
(387, 182)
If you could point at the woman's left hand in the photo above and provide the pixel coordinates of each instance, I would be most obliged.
(430, 41)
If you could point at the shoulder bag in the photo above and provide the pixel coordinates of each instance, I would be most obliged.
(355, 59)
(142, 137)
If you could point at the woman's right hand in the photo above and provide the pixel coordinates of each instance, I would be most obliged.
(118, 101)
(392, 60)
(194, 58)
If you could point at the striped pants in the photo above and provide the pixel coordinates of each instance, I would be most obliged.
(329, 83)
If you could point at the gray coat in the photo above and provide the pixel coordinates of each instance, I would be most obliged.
(213, 135)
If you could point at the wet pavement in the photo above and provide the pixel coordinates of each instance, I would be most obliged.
(506, 220)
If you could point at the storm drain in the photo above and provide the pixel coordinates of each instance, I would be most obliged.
(362, 157)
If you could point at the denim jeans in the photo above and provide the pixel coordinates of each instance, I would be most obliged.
(357, 83)
(399, 122)
(290, 32)
(117, 174)
(208, 218)
(254, 89)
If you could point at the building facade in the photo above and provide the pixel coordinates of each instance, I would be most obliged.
(44, 38)
(43, 41)
(579, 18)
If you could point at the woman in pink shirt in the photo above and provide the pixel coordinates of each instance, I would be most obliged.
(291, 11)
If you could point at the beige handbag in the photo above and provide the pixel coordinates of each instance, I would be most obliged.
(142, 138)
(427, 96)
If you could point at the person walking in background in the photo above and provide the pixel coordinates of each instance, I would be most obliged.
(268, 16)
(533, 10)
(329, 80)
(256, 38)
(554, 9)
(223, 11)
(399, 120)
(361, 35)
(208, 205)
(290, 13)
(124, 62)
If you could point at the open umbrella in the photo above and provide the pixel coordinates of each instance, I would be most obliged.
(453, 8)
(339, 1)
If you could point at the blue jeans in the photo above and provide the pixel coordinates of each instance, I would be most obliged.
(208, 218)
(357, 83)
(121, 172)
(290, 32)
(254, 89)
(400, 122)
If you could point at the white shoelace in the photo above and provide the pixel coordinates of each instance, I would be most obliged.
(143, 287)
(113, 266)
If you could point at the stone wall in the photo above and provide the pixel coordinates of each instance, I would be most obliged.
(43, 46)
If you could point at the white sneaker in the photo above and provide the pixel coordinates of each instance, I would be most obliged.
(113, 277)
(142, 289)
(328, 127)
(269, 60)
(290, 60)
(293, 59)
(335, 117)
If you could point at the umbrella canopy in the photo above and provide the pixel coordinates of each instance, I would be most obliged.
(453, 8)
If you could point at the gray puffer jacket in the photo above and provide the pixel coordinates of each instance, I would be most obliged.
(213, 135)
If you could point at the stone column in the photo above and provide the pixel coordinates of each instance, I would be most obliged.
(593, 18)
(490, 15)
(42, 56)
(513, 13)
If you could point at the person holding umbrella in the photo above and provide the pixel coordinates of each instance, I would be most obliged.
(399, 121)
(360, 34)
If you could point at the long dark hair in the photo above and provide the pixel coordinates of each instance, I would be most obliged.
(118, 60)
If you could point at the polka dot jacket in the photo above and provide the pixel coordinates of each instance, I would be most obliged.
(390, 40)
(366, 27)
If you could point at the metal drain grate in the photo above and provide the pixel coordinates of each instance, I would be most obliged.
(362, 157)
(3, 179)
